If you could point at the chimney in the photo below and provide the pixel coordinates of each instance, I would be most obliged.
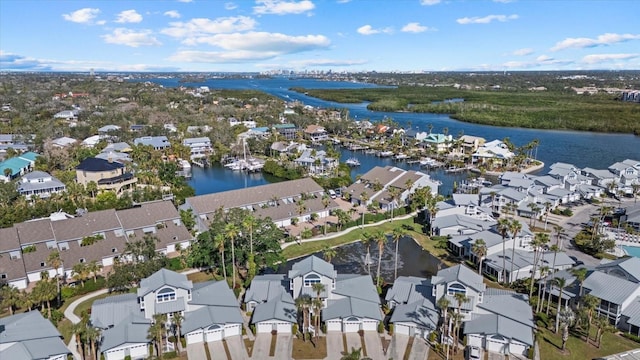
(110, 157)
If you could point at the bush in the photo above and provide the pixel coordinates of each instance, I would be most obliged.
(174, 264)
(294, 329)
(380, 327)
(542, 319)
(128, 357)
(67, 292)
(183, 342)
(252, 327)
(390, 329)
(170, 355)
(56, 316)
(631, 337)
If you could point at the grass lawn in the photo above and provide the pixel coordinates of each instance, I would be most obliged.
(86, 305)
(550, 345)
(202, 276)
(414, 230)
(65, 327)
(306, 350)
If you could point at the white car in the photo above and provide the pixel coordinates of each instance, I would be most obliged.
(473, 353)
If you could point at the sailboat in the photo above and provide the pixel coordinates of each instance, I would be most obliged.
(246, 163)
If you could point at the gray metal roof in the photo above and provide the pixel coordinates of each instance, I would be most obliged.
(491, 324)
(512, 305)
(630, 267)
(524, 259)
(608, 287)
(169, 307)
(357, 287)
(281, 308)
(44, 348)
(409, 289)
(632, 311)
(131, 330)
(347, 307)
(26, 326)
(161, 278)
(312, 264)
(265, 287)
(111, 310)
(461, 274)
(422, 313)
(213, 293)
(211, 315)
(462, 221)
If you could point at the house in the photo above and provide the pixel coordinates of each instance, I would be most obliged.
(156, 142)
(271, 304)
(522, 263)
(67, 115)
(279, 201)
(105, 130)
(459, 279)
(39, 184)
(414, 312)
(108, 175)
(199, 147)
(438, 142)
(17, 166)
(316, 161)
(316, 133)
(494, 151)
(63, 142)
(127, 339)
(30, 336)
(12, 270)
(287, 131)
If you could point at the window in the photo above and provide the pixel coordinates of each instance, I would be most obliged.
(83, 260)
(3, 276)
(311, 279)
(114, 250)
(42, 264)
(455, 289)
(166, 294)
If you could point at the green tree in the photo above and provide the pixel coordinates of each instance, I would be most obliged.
(540, 240)
(398, 233)
(55, 261)
(560, 283)
(303, 304)
(380, 239)
(503, 229)
(479, 248)
(355, 354)
(590, 303)
(367, 240)
(44, 292)
(156, 332)
(231, 232)
(566, 317)
(176, 321)
(515, 228)
(329, 253)
(318, 288)
(80, 272)
(10, 297)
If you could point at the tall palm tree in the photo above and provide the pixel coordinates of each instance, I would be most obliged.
(394, 192)
(93, 268)
(177, 319)
(561, 283)
(231, 231)
(92, 335)
(542, 288)
(80, 272)
(318, 305)
(398, 233)
(44, 292)
(581, 275)
(156, 332)
(540, 240)
(559, 231)
(381, 239)
(55, 261)
(303, 302)
(604, 326)
(589, 303)
(367, 240)
(456, 318)
(443, 304)
(10, 297)
(218, 243)
(329, 253)
(503, 229)
(515, 228)
(248, 223)
(461, 299)
(479, 248)
(566, 317)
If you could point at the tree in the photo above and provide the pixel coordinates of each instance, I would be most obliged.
(55, 261)
(367, 240)
(503, 229)
(566, 317)
(581, 275)
(317, 305)
(92, 336)
(542, 288)
(561, 283)
(231, 232)
(93, 268)
(355, 354)
(604, 326)
(457, 319)
(589, 303)
(380, 238)
(394, 193)
(218, 243)
(177, 319)
(303, 303)
(398, 233)
(479, 248)
(10, 297)
(80, 272)
(540, 240)
(44, 292)
(461, 299)
(248, 223)
(515, 228)
(156, 332)
(329, 253)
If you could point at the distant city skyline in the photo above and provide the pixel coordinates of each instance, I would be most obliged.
(319, 35)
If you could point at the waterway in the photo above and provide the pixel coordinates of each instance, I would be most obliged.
(596, 150)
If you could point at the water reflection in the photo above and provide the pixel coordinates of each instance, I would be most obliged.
(350, 259)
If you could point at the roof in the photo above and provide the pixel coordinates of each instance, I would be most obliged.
(213, 293)
(312, 264)
(265, 287)
(9, 239)
(461, 274)
(85, 225)
(632, 311)
(609, 288)
(509, 304)
(14, 164)
(34, 231)
(350, 306)
(93, 164)
(111, 310)
(132, 330)
(357, 287)
(210, 315)
(161, 278)
(147, 214)
(408, 289)
(281, 308)
(34, 336)
(627, 268)
(422, 313)
(155, 141)
(490, 324)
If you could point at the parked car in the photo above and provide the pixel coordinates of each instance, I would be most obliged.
(332, 194)
(473, 353)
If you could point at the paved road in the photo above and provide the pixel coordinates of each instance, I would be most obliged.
(335, 345)
(261, 346)
(196, 352)
(236, 348)
(216, 350)
(398, 346)
(373, 345)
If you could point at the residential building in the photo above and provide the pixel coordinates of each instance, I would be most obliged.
(64, 142)
(316, 161)
(286, 131)
(156, 142)
(438, 142)
(29, 336)
(412, 302)
(17, 166)
(316, 133)
(39, 184)
(495, 152)
(199, 147)
(107, 174)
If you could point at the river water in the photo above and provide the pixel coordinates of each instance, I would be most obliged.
(596, 150)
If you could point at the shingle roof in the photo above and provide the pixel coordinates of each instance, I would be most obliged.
(34, 231)
(85, 225)
(161, 278)
(462, 274)
(384, 175)
(132, 330)
(312, 264)
(98, 165)
(9, 239)
(211, 315)
(147, 214)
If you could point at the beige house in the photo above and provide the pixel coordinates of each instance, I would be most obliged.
(107, 174)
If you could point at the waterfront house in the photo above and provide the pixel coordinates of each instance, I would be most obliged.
(63, 142)
(316, 161)
(156, 142)
(279, 201)
(438, 142)
(17, 166)
(495, 152)
(316, 133)
(30, 336)
(459, 279)
(39, 184)
(199, 147)
(522, 263)
(108, 175)
(286, 131)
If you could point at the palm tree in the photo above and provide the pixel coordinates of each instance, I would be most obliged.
(329, 253)
(218, 243)
(92, 335)
(515, 228)
(303, 302)
(248, 223)
(231, 232)
(566, 317)
(156, 332)
(394, 192)
(355, 354)
(93, 268)
(559, 230)
(604, 326)
(589, 303)
(80, 272)
(461, 299)
(457, 319)
(539, 242)
(443, 304)
(10, 297)
(561, 283)
(381, 238)
(547, 210)
(580, 274)
(503, 229)
(542, 288)
(479, 248)
(177, 322)
(317, 305)
(367, 240)
(398, 233)
(44, 292)
(56, 262)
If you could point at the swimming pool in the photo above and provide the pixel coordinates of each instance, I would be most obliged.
(632, 250)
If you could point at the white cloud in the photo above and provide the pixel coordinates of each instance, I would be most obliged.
(128, 16)
(486, 19)
(16, 62)
(600, 58)
(265, 42)
(540, 61)
(185, 1)
(601, 40)
(503, 1)
(172, 14)
(193, 29)
(369, 30)
(230, 6)
(132, 38)
(82, 16)
(282, 7)
(414, 27)
(523, 52)
(429, 2)
(343, 1)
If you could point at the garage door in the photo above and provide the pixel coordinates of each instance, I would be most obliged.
(195, 337)
(264, 327)
(369, 325)
(352, 324)
(496, 344)
(284, 328)
(232, 330)
(475, 340)
(213, 333)
(334, 326)
(519, 349)
(117, 354)
(401, 329)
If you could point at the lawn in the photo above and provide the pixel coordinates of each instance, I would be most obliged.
(202, 276)
(413, 230)
(86, 305)
(65, 327)
(551, 344)
(306, 350)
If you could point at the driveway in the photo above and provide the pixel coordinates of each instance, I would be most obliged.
(419, 350)
(216, 349)
(236, 348)
(196, 352)
(335, 345)
(353, 341)
(374, 345)
(495, 356)
(261, 346)
(398, 346)
(284, 346)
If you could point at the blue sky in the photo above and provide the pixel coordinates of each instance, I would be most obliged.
(355, 35)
